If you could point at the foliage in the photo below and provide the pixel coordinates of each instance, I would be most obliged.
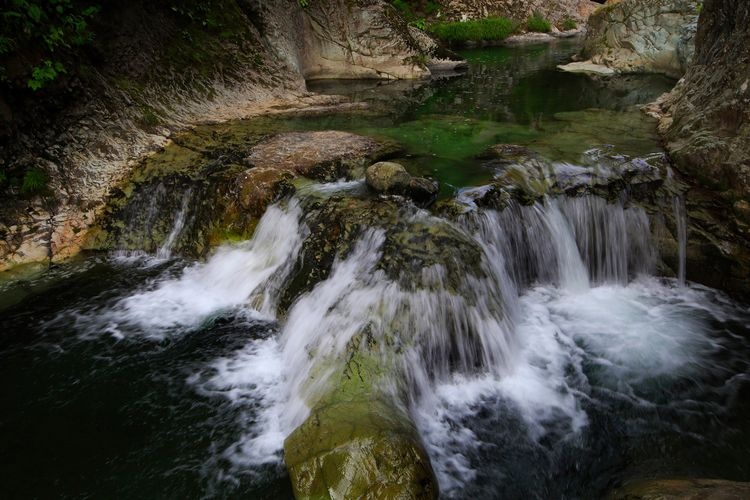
(53, 28)
(415, 11)
(34, 181)
(569, 24)
(487, 29)
(303, 3)
(538, 24)
(420, 23)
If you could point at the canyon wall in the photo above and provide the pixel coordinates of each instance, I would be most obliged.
(706, 126)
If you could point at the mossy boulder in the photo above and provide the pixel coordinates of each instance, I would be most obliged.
(392, 178)
(358, 442)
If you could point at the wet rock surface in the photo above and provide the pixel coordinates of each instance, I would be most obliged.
(683, 489)
(705, 125)
(357, 442)
(392, 178)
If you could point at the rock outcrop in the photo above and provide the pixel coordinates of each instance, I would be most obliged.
(706, 126)
(643, 36)
(520, 10)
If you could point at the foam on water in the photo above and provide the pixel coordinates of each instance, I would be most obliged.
(252, 381)
(613, 342)
(234, 276)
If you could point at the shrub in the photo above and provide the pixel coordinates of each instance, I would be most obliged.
(569, 24)
(488, 29)
(538, 24)
(50, 28)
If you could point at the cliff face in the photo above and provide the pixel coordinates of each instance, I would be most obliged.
(709, 131)
(152, 71)
(643, 36)
(706, 127)
(519, 10)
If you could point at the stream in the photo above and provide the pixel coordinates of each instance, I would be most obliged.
(557, 365)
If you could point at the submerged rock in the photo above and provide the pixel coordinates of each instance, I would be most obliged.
(682, 489)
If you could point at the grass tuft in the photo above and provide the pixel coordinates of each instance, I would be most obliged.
(538, 24)
(480, 30)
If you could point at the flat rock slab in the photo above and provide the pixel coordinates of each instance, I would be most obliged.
(587, 67)
(326, 155)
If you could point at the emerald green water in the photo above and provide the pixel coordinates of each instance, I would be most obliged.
(509, 95)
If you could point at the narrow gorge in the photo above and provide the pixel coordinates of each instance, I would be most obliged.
(375, 249)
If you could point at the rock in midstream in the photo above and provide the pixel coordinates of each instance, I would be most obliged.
(392, 178)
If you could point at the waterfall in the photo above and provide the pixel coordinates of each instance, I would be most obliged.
(680, 217)
(165, 251)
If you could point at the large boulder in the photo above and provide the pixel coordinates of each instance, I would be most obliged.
(326, 156)
(357, 442)
(392, 178)
(643, 36)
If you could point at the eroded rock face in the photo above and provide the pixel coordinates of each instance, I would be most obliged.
(519, 10)
(334, 39)
(706, 125)
(643, 36)
(139, 94)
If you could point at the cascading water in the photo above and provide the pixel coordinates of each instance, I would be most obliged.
(680, 216)
(165, 250)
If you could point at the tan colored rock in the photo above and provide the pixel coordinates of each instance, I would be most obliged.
(327, 155)
(260, 187)
(587, 67)
(520, 10)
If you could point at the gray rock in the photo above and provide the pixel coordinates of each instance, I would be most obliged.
(642, 36)
(388, 177)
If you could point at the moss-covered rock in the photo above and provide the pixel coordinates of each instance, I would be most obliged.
(359, 442)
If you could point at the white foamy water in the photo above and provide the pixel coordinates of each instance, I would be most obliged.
(625, 341)
(243, 275)
(252, 380)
